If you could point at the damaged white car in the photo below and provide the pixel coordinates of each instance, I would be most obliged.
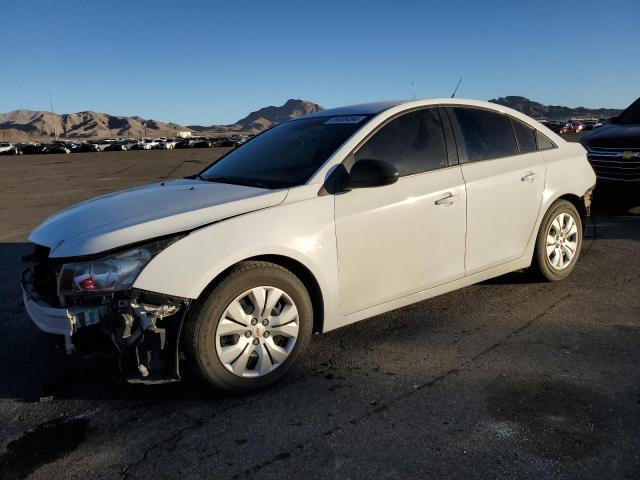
(319, 222)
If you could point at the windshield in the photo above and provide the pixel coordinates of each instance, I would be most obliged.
(287, 154)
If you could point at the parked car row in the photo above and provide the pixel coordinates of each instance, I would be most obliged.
(208, 142)
(573, 126)
(119, 145)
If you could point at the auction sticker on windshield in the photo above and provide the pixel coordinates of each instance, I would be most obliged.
(345, 119)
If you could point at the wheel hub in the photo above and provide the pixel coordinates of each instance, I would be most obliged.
(562, 241)
(257, 331)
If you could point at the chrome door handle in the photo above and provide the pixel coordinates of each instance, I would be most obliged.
(529, 177)
(447, 200)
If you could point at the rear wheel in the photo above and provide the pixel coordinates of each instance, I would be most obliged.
(250, 329)
(559, 242)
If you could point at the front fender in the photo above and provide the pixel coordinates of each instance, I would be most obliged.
(302, 230)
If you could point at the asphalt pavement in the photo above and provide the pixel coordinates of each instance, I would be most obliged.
(510, 378)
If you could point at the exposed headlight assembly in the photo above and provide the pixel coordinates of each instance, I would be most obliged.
(110, 273)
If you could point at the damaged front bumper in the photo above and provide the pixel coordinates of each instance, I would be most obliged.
(142, 328)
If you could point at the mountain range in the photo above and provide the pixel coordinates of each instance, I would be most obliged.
(29, 125)
(264, 118)
(553, 112)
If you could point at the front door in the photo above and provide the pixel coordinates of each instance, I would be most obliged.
(399, 239)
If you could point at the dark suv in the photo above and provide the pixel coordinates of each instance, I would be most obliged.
(614, 149)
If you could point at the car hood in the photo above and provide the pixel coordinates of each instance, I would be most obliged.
(614, 136)
(142, 213)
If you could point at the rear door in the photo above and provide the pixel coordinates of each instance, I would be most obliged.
(504, 176)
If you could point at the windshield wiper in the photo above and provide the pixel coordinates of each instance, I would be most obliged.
(221, 179)
(247, 182)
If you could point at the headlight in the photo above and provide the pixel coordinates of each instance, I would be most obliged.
(111, 273)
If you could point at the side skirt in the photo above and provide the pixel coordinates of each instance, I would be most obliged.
(493, 272)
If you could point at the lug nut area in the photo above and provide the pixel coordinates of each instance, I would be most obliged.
(256, 341)
(265, 322)
(247, 333)
(254, 321)
(266, 334)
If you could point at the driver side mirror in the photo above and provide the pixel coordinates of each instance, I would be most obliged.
(367, 173)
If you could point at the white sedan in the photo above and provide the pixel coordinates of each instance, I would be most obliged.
(148, 143)
(167, 144)
(317, 223)
(8, 149)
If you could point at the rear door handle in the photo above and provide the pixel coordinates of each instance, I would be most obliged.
(529, 177)
(449, 199)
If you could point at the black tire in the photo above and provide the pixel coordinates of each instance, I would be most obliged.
(200, 326)
(541, 265)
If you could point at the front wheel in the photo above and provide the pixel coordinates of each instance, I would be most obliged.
(250, 328)
(559, 242)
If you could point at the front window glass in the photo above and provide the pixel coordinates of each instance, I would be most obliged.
(287, 154)
(413, 143)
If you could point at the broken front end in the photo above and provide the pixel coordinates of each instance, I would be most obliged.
(91, 303)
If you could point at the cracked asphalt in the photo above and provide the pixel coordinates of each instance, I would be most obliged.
(510, 378)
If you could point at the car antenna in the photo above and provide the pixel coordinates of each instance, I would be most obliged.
(456, 89)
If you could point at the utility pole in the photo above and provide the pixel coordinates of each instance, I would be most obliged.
(413, 87)
(53, 120)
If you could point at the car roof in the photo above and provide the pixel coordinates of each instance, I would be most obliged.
(372, 108)
(376, 108)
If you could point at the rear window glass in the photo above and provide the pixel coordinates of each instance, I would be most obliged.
(525, 135)
(485, 134)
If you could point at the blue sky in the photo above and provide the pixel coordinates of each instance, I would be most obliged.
(213, 62)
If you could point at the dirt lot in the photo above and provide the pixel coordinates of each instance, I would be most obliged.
(506, 379)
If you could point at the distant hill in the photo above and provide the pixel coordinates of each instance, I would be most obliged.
(29, 125)
(553, 112)
(264, 118)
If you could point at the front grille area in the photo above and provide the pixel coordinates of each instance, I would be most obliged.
(611, 164)
(44, 275)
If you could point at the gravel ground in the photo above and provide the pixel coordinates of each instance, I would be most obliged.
(510, 378)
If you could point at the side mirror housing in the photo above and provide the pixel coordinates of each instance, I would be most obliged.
(367, 173)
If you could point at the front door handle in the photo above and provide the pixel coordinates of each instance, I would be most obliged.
(449, 199)
(529, 177)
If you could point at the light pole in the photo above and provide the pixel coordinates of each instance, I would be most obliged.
(53, 120)
(413, 87)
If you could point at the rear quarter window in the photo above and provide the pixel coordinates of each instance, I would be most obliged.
(525, 135)
(543, 141)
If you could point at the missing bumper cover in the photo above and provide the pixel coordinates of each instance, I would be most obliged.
(143, 326)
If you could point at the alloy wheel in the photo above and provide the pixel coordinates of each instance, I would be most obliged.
(562, 241)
